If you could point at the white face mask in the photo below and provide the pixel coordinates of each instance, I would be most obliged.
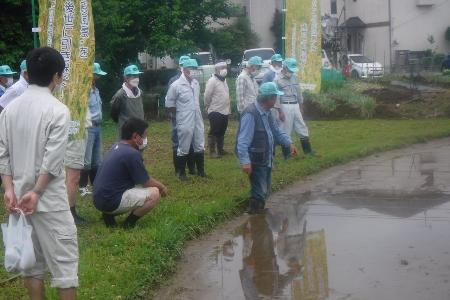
(223, 72)
(134, 82)
(276, 69)
(144, 144)
(9, 82)
(254, 73)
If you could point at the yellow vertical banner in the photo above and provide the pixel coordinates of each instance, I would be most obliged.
(68, 26)
(303, 40)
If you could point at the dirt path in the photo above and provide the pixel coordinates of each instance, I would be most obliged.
(376, 228)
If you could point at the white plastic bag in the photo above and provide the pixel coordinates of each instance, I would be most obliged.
(19, 250)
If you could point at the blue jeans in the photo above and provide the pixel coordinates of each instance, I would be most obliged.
(260, 181)
(93, 155)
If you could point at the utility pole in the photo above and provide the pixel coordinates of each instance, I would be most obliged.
(283, 29)
(390, 35)
(345, 28)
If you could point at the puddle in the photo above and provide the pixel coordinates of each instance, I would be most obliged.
(375, 229)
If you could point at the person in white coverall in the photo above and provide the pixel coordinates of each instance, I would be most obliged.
(183, 100)
(291, 104)
(17, 88)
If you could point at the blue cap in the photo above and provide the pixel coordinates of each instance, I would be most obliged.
(5, 70)
(182, 59)
(269, 89)
(291, 64)
(190, 63)
(131, 70)
(23, 65)
(276, 57)
(97, 70)
(255, 61)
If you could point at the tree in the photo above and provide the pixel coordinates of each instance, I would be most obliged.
(16, 38)
(231, 41)
(277, 30)
(159, 27)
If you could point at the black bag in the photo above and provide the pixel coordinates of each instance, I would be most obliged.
(116, 103)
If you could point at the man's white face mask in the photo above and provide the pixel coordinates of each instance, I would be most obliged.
(276, 69)
(144, 144)
(223, 72)
(134, 82)
(255, 73)
(9, 82)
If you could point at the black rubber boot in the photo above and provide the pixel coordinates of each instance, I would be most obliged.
(181, 167)
(220, 142)
(306, 146)
(174, 158)
(212, 146)
(253, 206)
(200, 162)
(191, 161)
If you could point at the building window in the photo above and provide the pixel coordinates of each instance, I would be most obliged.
(333, 7)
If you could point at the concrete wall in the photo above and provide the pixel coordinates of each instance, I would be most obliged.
(261, 13)
(411, 25)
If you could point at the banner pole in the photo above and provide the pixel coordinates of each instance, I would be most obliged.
(283, 27)
(33, 14)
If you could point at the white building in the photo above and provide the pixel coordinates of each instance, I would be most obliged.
(381, 29)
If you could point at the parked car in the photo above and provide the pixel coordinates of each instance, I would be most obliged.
(205, 69)
(325, 61)
(264, 53)
(446, 63)
(363, 67)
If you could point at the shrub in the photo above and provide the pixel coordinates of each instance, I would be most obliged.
(331, 79)
(152, 78)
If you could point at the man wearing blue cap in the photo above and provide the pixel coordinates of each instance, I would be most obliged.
(127, 102)
(190, 158)
(6, 78)
(182, 99)
(93, 153)
(17, 88)
(246, 85)
(276, 64)
(291, 103)
(257, 134)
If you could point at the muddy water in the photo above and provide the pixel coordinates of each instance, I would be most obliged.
(377, 228)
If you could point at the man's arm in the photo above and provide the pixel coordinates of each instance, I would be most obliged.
(244, 140)
(171, 98)
(208, 93)
(29, 201)
(151, 182)
(5, 167)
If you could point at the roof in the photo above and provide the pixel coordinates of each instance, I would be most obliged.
(354, 22)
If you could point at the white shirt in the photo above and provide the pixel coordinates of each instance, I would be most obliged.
(217, 96)
(33, 138)
(13, 92)
(183, 95)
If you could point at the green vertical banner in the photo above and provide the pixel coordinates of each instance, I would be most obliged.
(68, 26)
(303, 40)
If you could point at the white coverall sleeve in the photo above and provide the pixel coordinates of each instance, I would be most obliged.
(171, 97)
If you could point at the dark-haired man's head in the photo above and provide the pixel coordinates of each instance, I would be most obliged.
(45, 67)
(134, 132)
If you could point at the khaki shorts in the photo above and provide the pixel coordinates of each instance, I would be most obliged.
(56, 248)
(134, 198)
(74, 157)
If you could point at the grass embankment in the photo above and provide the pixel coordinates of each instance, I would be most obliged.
(118, 264)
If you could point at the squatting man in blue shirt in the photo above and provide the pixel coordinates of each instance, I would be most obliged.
(257, 134)
(122, 183)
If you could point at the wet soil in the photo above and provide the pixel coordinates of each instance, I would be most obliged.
(377, 228)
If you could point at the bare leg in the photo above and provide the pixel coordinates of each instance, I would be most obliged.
(148, 204)
(67, 294)
(35, 288)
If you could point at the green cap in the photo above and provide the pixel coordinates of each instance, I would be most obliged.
(23, 65)
(131, 70)
(276, 57)
(291, 64)
(98, 71)
(5, 70)
(269, 89)
(255, 61)
(190, 63)
(182, 59)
